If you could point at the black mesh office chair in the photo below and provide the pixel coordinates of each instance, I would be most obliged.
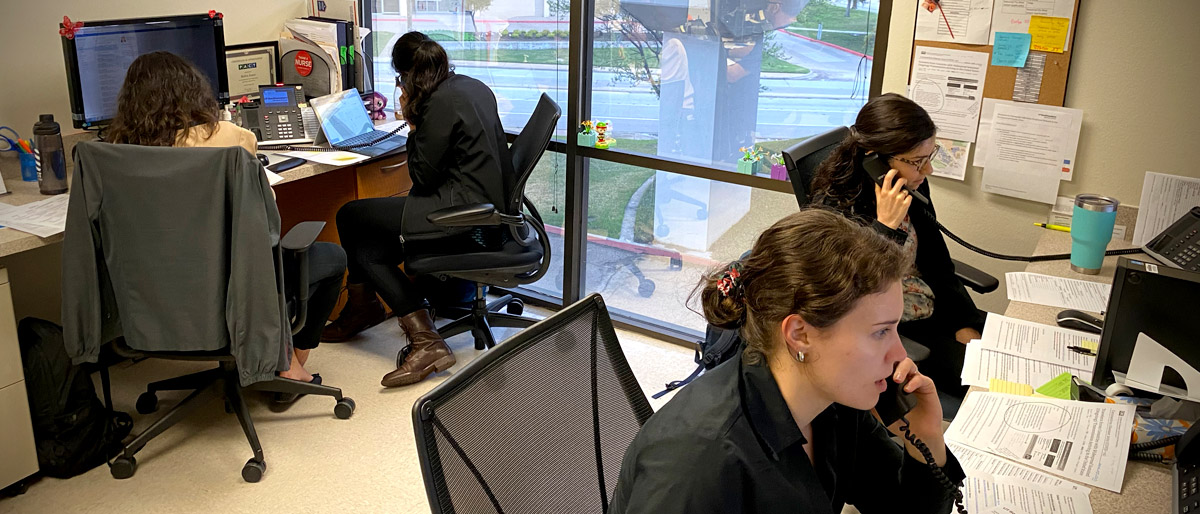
(522, 259)
(222, 381)
(538, 424)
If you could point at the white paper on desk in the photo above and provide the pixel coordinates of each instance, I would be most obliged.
(338, 158)
(1028, 149)
(980, 365)
(272, 177)
(1046, 343)
(976, 462)
(951, 160)
(1068, 293)
(970, 22)
(43, 218)
(1083, 441)
(949, 85)
(1071, 144)
(1014, 15)
(984, 492)
(1165, 198)
(1001, 509)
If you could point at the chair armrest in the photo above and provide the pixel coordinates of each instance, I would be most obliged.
(916, 351)
(302, 236)
(975, 278)
(473, 215)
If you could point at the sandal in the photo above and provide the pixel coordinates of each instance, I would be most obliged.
(289, 398)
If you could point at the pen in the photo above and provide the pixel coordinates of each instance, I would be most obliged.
(1082, 351)
(1059, 228)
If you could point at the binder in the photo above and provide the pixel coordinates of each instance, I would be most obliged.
(345, 47)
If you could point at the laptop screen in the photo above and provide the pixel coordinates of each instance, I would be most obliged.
(342, 116)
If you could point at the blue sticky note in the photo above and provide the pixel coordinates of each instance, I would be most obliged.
(1011, 49)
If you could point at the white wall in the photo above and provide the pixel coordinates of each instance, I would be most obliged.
(33, 77)
(1133, 73)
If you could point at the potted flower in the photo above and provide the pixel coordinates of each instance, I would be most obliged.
(586, 136)
(748, 163)
(778, 169)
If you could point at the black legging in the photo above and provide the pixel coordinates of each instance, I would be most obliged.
(370, 233)
(326, 264)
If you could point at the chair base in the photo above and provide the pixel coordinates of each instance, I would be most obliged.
(220, 382)
(482, 316)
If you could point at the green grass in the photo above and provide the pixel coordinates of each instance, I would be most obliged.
(832, 16)
(602, 59)
(379, 40)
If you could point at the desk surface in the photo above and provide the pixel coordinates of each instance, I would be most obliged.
(1147, 487)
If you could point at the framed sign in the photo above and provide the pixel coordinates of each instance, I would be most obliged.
(251, 65)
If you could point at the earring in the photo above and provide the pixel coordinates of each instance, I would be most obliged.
(799, 356)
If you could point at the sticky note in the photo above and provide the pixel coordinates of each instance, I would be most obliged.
(1091, 345)
(1049, 34)
(1060, 387)
(997, 385)
(1011, 49)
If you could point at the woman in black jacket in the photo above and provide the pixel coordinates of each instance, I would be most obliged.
(457, 155)
(938, 312)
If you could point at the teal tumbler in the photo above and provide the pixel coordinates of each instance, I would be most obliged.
(1091, 230)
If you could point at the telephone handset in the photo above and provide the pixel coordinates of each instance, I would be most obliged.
(1186, 472)
(278, 118)
(892, 406)
(877, 167)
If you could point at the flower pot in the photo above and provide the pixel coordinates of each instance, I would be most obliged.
(588, 139)
(779, 172)
(746, 167)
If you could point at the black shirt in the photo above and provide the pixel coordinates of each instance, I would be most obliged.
(727, 443)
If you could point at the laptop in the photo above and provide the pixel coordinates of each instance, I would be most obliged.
(344, 122)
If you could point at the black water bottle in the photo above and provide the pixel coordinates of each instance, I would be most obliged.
(51, 157)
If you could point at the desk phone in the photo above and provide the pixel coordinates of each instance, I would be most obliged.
(1179, 245)
(278, 118)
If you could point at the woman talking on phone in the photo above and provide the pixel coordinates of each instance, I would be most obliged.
(457, 155)
(784, 426)
(938, 312)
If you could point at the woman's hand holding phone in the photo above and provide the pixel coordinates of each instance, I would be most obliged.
(892, 200)
(925, 420)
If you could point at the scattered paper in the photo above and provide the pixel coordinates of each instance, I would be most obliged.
(1028, 85)
(1015, 15)
(272, 177)
(984, 493)
(997, 385)
(1046, 343)
(1068, 293)
(956, 21)
(1026, 151)
(951, 161)
(1083, 441)
(949, 85)
(43, 218)
(338, 158)
(1048, 33)
(1010, 49)
(1061, 387)
(1165, 198)
(1002, 509)
(981, 365)
(975, 462)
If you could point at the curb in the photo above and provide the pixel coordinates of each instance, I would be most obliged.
(830, 45)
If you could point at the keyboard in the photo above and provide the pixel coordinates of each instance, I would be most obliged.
(1185, 486)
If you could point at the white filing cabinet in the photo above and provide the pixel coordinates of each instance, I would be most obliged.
(18, 456)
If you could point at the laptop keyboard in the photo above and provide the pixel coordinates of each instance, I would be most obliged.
(364, 138)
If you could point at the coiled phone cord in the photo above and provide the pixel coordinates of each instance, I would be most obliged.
(933, 467)
(335, 148)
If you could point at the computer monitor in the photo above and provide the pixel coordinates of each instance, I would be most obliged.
(1158, 301)
(101, 51)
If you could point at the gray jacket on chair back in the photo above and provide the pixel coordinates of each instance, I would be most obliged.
(174, 249)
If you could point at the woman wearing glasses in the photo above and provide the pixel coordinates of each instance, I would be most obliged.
(938, 312)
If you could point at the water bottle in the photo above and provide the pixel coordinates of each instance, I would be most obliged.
(51, 157)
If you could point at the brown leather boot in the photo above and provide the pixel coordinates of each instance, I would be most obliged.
(361, 312)
(426, 351)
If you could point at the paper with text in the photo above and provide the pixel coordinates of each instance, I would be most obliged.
(1015, 15)
(1027, 149)
(980, 462)
(981, 365)
(1068, 293)
(949, 85)
(1048, 33)
(956, 21)
(43, 218)
(983, 492)
(1165, 198)
(1011, 49)
(1046, 343)
(951, 161)
(1071, 144)
(1087, 442)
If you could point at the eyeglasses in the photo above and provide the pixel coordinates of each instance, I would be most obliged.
(920, 163)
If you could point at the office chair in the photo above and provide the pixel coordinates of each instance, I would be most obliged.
(148, 197)
(522, 259)
(538, 424)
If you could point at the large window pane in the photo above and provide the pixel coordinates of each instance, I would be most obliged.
(652, 234)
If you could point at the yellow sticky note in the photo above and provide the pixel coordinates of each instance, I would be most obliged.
(1091, 345)
(997, 385)
(1049, 33)
(1059, 387)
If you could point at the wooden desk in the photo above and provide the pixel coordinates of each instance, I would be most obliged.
(1147, 487)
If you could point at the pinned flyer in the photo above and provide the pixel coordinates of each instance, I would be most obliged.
(1049, 33)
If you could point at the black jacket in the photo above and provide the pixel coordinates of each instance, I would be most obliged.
(458, 155)
(728, 444)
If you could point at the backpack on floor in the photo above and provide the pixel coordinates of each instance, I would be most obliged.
(73, 430)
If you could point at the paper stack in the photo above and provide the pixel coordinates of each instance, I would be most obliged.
(1019, 355)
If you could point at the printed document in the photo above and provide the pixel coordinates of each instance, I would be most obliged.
(1015, 15)
(1046, 343)
(1068, 293)
(956, 21)
(1026, 150)
(1083, 441)
(979, 462)
(43, 218)
(1165, 199)
(1070, 144)
(949, 85)
(983, 492)
(980, 365)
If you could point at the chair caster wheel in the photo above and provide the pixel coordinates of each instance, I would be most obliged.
(123, 467)
(253, 470)
(515, 307)
(646, 288)
(147, 403)
(344, 408)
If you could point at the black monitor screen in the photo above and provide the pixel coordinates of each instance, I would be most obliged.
(101, 52)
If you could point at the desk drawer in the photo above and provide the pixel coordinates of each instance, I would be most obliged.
(18, 453)
(387, 177)
(10, 351)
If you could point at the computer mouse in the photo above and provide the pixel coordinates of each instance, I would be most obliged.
(1079, 320)
(263, 159)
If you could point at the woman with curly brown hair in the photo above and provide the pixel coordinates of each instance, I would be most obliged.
(166, 101)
